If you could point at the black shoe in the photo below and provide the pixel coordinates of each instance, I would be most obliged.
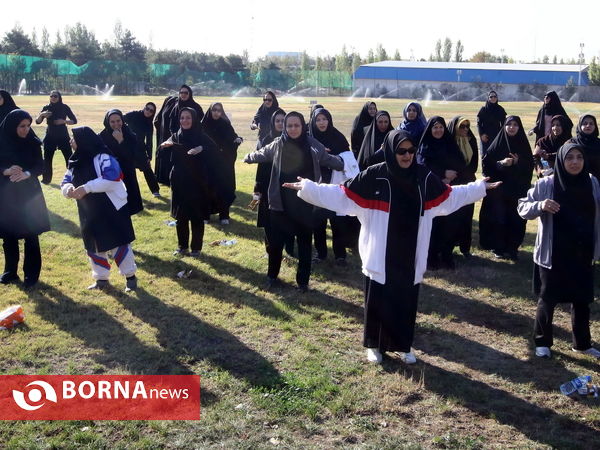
(131, 283)
(29, 282)
(513, 256)
(271, 284)
(302, 288)
(8, 277)
(99, 284)
(467, 254)
(498, 254)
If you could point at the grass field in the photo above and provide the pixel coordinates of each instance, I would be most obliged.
(281, 369)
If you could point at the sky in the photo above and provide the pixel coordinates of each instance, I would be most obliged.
(525, 31)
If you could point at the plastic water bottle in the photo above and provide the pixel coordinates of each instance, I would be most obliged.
(571, 387)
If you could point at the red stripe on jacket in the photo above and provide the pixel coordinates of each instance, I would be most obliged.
(438, 200)
(366, 203)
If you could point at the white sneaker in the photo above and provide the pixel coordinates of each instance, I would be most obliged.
(543, 352)
(590, 351)
(374, 355)
(407, 358)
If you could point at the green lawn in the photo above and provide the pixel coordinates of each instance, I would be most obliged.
(281, 369)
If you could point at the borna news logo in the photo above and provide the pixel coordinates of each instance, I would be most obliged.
(100, 397)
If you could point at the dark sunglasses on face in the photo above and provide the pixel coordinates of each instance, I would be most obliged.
(268, 99)
(404, 151)
(464, 127)
(54, 96)
(493, 96)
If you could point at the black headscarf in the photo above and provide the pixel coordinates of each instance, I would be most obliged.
(590, 144)
(221, 131)
(13, 149)
(111, 142)
(493, 108)
(490, 117)
(440, 154)
(574, 222)
(89, 144)
(331, 138)
(263, 115)
(392, 141)
(361, 121)
(8, 105)
(193, 136)
(180, 104)
(516, 179)
(8, 128)
(59, 110)
(273, 133)
(373, 140)
(414, 127)
(553, 108)
(551, 143)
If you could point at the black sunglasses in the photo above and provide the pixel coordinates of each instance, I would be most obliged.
(493, 96)
(267, 99)
(54, 96)
(404, 151)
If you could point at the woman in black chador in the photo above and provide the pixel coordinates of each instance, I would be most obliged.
(185, 100)
(587, 139)
(262, 118)
(439, 152)
(140, 123)
(460, 129)
(217, 126)
(262, 180)
(196, 177)
(294, 154)
(490, 120)
(374, 137)
(547, 147)
(23, 213)
(123, 145)
(58, 116)
(7, 104)
(395, 202)
(509, 160)
(322, 129)
(162, 123)
(361, 121)
(567, 206)
(551, 107)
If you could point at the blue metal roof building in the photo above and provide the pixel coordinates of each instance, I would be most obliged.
(452, 72)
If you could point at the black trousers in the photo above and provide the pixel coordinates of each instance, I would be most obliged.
(32, 263)
(50, 146)
(183, 233)
(283, 228)
(508, 226)
(580, 323)
(338, 237)
(151, 180)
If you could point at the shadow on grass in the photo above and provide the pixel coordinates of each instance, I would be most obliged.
(539, 424)
(64, 226)
(287, 293)
(211, 286)
(481, 314)
(545, 374)
(183, 338)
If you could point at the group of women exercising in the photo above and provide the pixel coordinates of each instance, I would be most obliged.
(402, 195)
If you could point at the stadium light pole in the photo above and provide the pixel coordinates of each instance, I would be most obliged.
(458, 74)
(581, 45)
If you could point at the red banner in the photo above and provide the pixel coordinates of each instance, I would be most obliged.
(99, 397)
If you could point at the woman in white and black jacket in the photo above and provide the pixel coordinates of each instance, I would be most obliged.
(294, 154)
(395, 202)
